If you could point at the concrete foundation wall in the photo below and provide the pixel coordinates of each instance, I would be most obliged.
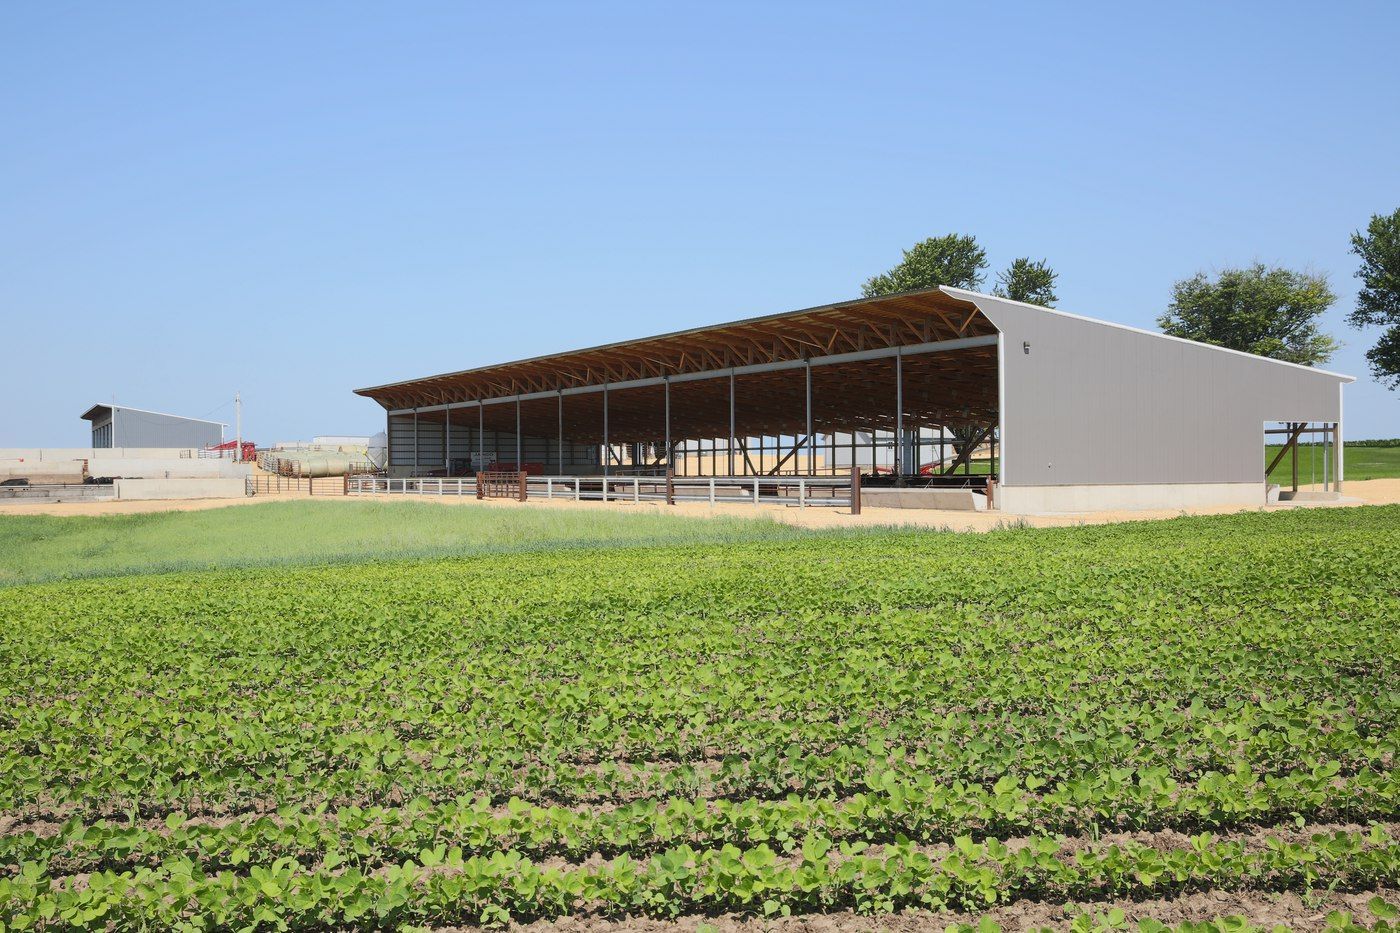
(960, 500)
(218, 488)
(1126, 497)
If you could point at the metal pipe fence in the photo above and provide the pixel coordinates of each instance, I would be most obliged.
(798, 491)
(265, 484)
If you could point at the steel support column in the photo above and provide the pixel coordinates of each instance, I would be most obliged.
(669, 465)
(416, 455)
(731, 423)
(1338, 452)
(811, 441)
(561, 434)
(898, 418)
(518, 464)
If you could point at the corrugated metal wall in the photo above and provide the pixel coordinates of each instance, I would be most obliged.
(478, 449)
(1092, 403)
(102, 433)
(148, 429)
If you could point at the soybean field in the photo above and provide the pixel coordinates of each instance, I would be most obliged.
(1190, 724)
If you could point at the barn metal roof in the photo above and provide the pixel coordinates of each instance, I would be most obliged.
(103, 409)
(848, 326)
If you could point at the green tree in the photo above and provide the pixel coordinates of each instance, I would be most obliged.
(1269, 312)
(1378, 303)
(1028, 280)
(943, 260)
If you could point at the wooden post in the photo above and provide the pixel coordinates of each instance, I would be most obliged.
(345, 485)
(1294, 445)
(524, 491)
(1294, 430)
(481, 485)
(670, 486)
(855, 490)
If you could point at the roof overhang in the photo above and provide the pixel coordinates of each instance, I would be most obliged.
(100, 410)
(916, 317)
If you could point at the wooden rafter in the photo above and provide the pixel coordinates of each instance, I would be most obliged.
(851, 326)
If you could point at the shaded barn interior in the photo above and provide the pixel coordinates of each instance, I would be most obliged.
(895, 386)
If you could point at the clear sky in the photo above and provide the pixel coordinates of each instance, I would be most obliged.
(298, 199)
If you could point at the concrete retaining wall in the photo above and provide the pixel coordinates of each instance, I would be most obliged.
(958, 500)
(149, 468)
(41, 469)
(56, 493)
(1127, 497)
(40, 472)
(98, 453)
(214, 488)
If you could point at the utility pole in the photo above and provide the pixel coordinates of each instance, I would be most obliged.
(238, 422)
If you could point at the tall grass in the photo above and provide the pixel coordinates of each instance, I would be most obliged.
(35, 548)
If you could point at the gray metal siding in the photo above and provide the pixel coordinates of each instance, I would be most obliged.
(102, 433)
(148, 429)
(1093, 403)
(467, 444)
(400, 440)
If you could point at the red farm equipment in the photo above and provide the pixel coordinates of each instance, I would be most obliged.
(249, 451)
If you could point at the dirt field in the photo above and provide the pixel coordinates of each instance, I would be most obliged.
(1367, 492)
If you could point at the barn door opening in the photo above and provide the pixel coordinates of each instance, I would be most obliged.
(1301, 460)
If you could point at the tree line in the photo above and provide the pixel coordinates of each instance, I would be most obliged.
(1270, 311)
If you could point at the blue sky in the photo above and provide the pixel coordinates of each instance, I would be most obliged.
(297, 199)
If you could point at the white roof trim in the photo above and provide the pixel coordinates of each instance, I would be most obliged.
(972, 296)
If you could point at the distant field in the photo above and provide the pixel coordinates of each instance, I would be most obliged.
(1359, 463)
(1196, 716)
(39, 547)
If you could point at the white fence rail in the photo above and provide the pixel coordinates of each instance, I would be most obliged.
(800, 491)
